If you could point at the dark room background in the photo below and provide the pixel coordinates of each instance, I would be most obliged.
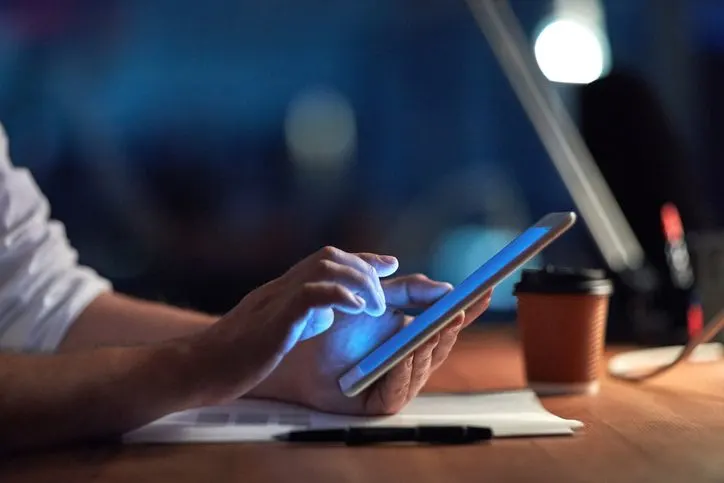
(196, 149)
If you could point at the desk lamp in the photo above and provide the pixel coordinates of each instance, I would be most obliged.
(636, 313)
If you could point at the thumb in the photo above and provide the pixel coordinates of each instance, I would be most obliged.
(313, 324)
(310, 310)
(414, 291)
(319, 321)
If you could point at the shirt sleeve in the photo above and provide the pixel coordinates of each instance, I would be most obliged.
(43, 289)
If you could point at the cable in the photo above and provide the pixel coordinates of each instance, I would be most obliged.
(641, 365)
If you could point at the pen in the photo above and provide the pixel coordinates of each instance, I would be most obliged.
(360, 436)
(677, 256)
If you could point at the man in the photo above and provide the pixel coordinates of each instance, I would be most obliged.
(79, 361)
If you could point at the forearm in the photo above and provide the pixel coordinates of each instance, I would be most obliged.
(54, 399)
(117, 320)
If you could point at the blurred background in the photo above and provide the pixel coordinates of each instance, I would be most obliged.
(195, 150)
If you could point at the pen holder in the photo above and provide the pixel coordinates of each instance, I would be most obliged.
(562, 317)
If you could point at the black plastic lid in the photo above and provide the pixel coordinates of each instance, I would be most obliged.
(558, 280)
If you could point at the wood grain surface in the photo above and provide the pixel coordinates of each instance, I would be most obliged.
(667, 430)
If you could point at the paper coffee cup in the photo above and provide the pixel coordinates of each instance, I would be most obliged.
(562, 317)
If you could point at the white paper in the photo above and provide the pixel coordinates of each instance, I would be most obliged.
(514, 413)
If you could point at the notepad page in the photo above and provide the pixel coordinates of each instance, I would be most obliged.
(514, 413)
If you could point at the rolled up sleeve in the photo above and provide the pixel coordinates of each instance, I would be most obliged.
(43, 289)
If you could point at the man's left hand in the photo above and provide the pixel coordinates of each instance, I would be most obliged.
(308, 374)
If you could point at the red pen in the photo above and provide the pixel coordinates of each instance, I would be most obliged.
(677, 254)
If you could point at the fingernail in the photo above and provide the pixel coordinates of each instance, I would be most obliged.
(458, 325)
(387, 259)
(444, 287)
(360, 301)
(377, 311)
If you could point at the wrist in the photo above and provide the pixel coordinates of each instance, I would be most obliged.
(191, 369)
(277, 386)
(263, 390)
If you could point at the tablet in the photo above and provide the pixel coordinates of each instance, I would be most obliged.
(527, 245)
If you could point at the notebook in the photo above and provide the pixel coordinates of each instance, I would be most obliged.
(508, 414)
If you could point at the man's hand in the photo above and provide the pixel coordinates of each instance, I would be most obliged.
(88, 392)
(248, 343)
(309, 373)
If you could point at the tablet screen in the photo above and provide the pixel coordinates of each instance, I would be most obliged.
(470, 285)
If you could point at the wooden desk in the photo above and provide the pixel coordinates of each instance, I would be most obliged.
(668, 430)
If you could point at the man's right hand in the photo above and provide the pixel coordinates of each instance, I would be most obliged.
(107, 391)
(245, 345)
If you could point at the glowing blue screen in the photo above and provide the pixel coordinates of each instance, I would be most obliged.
(466, 288)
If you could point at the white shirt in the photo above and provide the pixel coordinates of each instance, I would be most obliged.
(42, 287)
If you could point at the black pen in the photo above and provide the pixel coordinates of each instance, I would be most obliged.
(360, 436)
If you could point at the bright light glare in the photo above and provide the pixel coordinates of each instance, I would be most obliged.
(570, 52)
